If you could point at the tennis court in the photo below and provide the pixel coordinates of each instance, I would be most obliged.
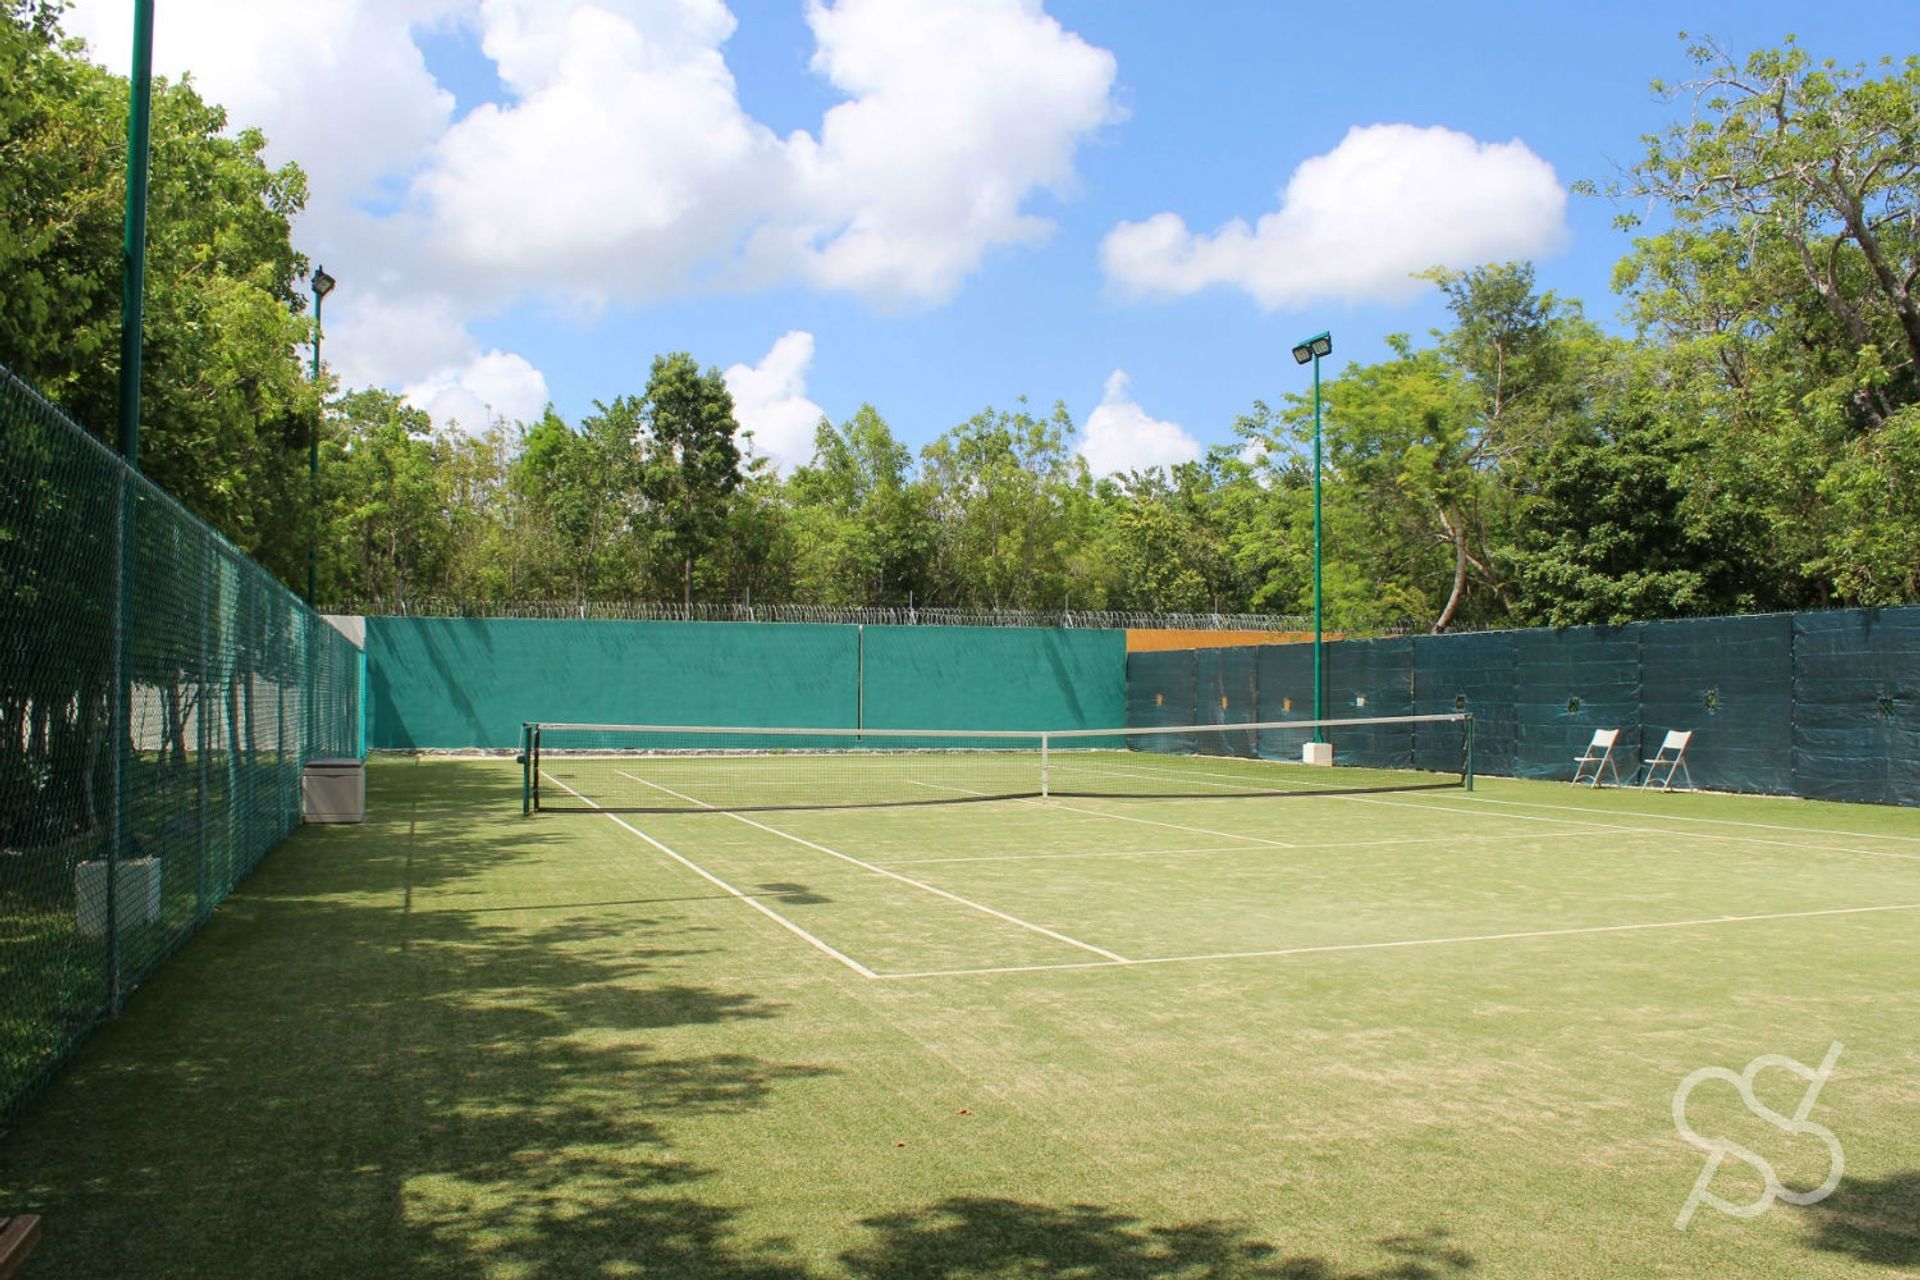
(1187, 1032)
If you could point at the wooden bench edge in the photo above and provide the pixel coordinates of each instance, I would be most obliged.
(18, 1235)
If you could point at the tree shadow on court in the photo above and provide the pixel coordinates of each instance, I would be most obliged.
(349, 1074)
(345, 1074)
(971, 1237)
(1876, 1220)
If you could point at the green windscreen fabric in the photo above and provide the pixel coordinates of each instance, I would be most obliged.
(1570, 682)
(1284, 674)
(442, 683)
(471, 682)
(1160, 691)
(1726, 681)
(160, 694)
(1856, 695)
(1472, 673)
(994, 678)
(1824, 705)
(1226, 692)
(1369, 678)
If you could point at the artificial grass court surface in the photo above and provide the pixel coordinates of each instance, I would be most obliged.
(459, 1042)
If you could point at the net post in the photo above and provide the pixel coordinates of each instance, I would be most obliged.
(530, 768)
(1044, 744)
(1469, 765)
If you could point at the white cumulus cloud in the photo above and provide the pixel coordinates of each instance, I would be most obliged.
(770, 400)
(337, 85)
(472, 394)
(957, 111)
(1356, 223)
(622, 165)
(1121, 436)
(619, 164)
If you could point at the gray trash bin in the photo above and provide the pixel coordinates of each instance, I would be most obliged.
(334, 791)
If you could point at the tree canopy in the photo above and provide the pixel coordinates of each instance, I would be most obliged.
(1748, 438)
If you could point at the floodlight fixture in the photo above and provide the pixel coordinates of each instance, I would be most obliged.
(1311, 350)
(322, 282)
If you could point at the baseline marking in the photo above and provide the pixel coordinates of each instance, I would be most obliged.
(1112, 957)
(1799, 845)
(1234, 848)
(708, 876)
(1593, 818)
(1723, 822)
(1408, 942)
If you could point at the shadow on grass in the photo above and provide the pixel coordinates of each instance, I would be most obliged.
(332, 1081)
(1873, 1219)
(974, 1237)
(348, 1075)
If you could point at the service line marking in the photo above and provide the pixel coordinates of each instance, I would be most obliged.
(1112, 957)
(1329, 948)
(1593, 818)
(708, 876)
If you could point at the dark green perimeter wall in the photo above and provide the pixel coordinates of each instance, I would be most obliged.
(1824, 705)
(450, 683)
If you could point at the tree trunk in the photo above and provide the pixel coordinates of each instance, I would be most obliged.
(1458, 535)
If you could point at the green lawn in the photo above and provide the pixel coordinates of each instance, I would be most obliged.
(1398, 1036)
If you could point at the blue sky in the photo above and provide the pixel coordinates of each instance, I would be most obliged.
(527, 200)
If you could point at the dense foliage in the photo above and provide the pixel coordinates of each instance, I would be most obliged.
(1753, 443)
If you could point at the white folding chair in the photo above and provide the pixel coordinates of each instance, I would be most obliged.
(1671, 756)
(1599, 755)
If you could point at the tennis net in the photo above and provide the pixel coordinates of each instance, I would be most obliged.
(676, 768)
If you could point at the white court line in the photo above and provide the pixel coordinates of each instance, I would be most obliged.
(1051, 803)
(708, 876)
(1099, 853)
(1233, 848)
(1112, 956)
(1591, 820)
(1408, 942)
(1718, 822)
(1798, 845)
(1591, 813)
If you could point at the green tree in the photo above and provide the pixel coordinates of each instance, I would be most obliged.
(692, 458)
(1013, 502)
(226, 411)
(387, 533)
(1167, 541)
(585, 486)
(1782, 300)
(1616, 526)
(867, 533)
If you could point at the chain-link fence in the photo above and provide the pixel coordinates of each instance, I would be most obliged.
(159, 694)
(897, 615)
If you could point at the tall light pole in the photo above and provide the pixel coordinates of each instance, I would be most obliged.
(322, 286)
(1320, 344)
